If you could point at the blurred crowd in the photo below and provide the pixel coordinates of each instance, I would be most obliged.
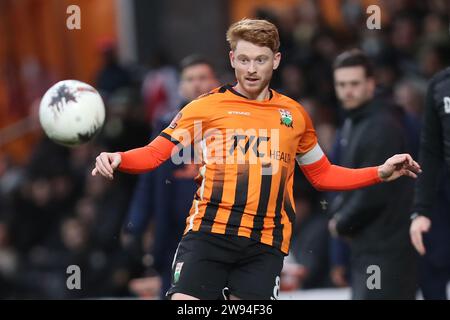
(53, 213)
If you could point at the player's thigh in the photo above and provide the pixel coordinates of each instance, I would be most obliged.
(199, 269)
(257, 277)
(182, 296)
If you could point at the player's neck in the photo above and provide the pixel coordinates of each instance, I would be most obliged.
(264, 94)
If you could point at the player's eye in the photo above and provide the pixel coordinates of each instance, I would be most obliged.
(242, 58)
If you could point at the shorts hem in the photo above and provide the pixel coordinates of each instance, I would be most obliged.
(188, 292)
(248, 296)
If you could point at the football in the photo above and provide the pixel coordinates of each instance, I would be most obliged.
(71, 112)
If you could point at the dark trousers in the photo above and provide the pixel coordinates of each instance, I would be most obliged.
(397, 272)
(433, 280)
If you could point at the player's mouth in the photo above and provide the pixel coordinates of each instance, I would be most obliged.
(251, 79)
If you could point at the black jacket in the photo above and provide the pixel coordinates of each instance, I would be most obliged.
(434, 145)
(432, 192)
(376, 218)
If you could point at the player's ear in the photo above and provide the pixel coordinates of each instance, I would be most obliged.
(276, 60)
(232, 58)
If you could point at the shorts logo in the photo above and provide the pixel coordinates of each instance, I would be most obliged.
(176, 275)
(286, 118)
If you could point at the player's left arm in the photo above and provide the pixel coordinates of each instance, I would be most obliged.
(325, 176)
(364, 204)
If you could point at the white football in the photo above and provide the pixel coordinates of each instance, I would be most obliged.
(71, 112)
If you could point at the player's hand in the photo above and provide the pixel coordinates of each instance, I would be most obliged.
(106, 163)
(397, 166)
(337, 275)
(419, 226)
(332, 228)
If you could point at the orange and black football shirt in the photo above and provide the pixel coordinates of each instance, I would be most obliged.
(247, 153)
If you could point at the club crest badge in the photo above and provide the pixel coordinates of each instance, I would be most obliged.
(286, 118)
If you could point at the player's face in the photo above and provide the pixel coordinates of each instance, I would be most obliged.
(253, 66)
(197, 80)
(353, 87)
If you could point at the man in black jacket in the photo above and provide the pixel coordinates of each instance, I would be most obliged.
(154, 193)
(375, 220)
(432, 193)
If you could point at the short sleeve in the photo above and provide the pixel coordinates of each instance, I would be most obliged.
(188, 125)
(308, 139)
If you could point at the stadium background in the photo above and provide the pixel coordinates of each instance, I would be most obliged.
(53, 214)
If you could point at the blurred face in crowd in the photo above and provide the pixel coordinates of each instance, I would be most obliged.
(409, 98)
(41, 193)
(353, 87)
(197, 80)
(73, 234)
(253, 66)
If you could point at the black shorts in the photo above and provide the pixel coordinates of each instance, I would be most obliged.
(207, 263)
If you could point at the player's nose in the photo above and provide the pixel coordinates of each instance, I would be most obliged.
(251, 68)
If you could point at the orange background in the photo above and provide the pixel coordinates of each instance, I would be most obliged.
(37, 49)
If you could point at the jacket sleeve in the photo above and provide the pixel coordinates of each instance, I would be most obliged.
(140, 209)
(431, 153)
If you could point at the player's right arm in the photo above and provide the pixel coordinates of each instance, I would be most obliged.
(180, 133)
(138, 160)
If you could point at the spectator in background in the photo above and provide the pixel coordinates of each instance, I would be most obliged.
(8, 263)
(374, 219)
(430, 227)
(435, 27)
(154, 192)
(324, 121)
(409, 95)
(339, 262)
(37, 208)
(404, 42)
(324, 48)
(293, 81)
(434, 57)
(159, 88)
(112, 76)
(307, 265)
(339, 251)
